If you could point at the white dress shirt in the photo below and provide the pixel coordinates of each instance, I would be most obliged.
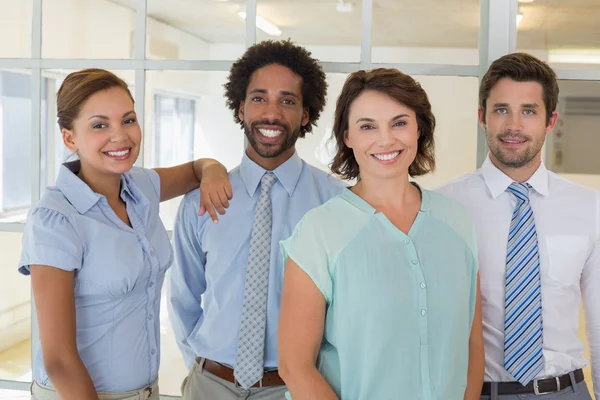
(567, 219)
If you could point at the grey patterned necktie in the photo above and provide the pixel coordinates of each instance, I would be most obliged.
(249, 362)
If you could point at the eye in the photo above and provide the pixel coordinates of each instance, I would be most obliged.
(99, 126)
(129, 121)
(257, 99)
(400, 123)
(529, 112)
(501, 111)
(366, 127)
(288, 102)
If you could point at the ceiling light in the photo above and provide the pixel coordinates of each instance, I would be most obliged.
(526, 1)
(264, 25)
(344, 7)
(519, 17)
(574, 56)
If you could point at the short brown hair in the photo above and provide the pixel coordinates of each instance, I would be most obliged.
(521, 67)
(400, 87)
(287, 54)
(78, 87)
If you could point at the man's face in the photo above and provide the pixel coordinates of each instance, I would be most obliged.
(515, 122)
(273, 111)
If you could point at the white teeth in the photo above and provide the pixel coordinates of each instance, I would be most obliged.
(270, 132)
(386, 157)
(117, 153)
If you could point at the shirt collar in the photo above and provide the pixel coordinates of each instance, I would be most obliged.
(287, 173)
(497, 181)
(79, 194)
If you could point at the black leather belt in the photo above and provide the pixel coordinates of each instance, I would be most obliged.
(539, 386)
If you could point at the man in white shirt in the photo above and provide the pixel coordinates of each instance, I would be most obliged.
(539, 243)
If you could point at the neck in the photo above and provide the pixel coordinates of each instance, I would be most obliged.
(386, 193)
(518, 174)
(270, 163)
(108, 185)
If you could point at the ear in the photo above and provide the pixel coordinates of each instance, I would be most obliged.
(346, 140)
(481, 117)
(552, 122)
(241, 111)
(305, 116)
(68, 139)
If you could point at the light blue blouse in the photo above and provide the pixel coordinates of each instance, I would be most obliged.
(399, 307)
(119, 272)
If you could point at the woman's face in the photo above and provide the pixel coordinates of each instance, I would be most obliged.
(106, 133)
(383, 135)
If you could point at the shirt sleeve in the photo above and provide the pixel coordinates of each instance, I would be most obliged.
(50, 239)
(148, 181)
(590, 288)
(187, 276)
(307, 247)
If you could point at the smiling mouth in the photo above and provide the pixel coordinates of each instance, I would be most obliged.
(512, 141)
(118, 154)
(270, 133)
(387, 156)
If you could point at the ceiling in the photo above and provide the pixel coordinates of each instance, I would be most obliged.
(546, 24)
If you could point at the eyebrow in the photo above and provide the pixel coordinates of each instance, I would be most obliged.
(283, 92)
(526, 105)
(372, 120)
(105, 117)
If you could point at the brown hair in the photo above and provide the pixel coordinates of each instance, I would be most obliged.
(400, 87)
(521, 67)
(78, 87)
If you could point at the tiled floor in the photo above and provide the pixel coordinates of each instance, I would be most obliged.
(15, 364)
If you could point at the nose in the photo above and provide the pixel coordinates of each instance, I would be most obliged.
(515, 123)
(118, 135)
(272, 111)
(386, 137)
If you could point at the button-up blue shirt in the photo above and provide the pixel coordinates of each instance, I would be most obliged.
(119, 272)
(206, 290)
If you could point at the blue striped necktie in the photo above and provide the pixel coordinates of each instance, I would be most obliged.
(523, 356)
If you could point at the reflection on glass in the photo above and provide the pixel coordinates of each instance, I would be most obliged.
(15, 312)
(331, 30)
(563, 32)
(87, 29)
(15, 23)
(438, 32)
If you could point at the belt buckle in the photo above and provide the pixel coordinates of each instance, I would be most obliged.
(536, 388)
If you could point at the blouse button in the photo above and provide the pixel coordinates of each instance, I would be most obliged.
(423, 312)
(415, 262)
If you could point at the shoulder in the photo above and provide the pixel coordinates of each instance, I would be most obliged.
(560, 185)
(147, 180)
(324, 179)
(464, 184)
(451, 213)
(53, 202)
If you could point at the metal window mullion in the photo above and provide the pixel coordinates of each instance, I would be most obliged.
(140, 72)
(366, 34)
(36, 115)
(497, 37)
(250, 22)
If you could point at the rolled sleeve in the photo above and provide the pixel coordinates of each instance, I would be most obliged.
(50, 239)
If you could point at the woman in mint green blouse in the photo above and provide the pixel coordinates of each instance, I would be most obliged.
(380, 296)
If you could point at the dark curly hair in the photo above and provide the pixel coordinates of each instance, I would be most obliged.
(287, 54)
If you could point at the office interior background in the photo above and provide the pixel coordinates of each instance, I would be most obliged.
(175, 55)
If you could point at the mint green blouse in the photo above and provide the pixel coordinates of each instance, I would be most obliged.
(399, 307)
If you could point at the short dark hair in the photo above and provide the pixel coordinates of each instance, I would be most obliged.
(289, 55)
(521, 67)
(80, 86)
(400, 87)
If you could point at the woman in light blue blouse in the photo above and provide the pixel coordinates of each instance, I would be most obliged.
(380, 295)
(97, 250)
